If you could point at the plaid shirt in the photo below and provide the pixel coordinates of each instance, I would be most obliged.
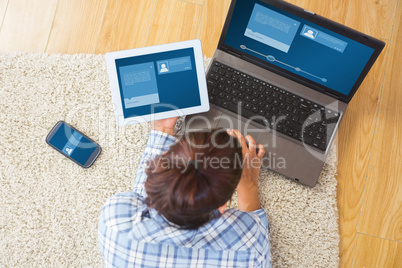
(133, 235)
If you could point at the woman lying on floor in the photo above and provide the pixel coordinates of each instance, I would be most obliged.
(176, 215)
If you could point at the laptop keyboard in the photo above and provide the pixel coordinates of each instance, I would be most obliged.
(280, 110)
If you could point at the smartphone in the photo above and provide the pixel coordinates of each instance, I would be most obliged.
(73, 144)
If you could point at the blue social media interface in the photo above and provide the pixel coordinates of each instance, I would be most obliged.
(158, 82)
(323, 38)
(139, 84)
(297, 45)
(73, 144)
(271, 28)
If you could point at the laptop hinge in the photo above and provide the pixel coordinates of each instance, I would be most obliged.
(332, 95)
(234, 53)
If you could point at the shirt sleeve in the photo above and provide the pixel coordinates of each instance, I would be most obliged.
(158, 143)
(264, 251)
(263, 216)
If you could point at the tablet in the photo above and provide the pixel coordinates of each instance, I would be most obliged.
(157, 82)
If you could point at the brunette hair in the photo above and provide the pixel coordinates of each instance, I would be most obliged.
(198, 174)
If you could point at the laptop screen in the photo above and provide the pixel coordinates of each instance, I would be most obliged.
(297, 45)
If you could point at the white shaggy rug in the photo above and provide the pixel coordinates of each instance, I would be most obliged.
(49, 206)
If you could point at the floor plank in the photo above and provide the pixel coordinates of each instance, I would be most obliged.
(372, 17)
(26, 25)
(357, 129)
(76, 26)
(382, 207)
(171, 20)
(3, 7)
(355, 138)
(198, 2)
(377, 252)
(334, 10)
(213, 18)
(126, 25)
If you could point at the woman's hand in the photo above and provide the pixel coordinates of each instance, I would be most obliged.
(247, 189)
(165, 125)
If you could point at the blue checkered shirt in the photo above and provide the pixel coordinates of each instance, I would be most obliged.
(133, 235)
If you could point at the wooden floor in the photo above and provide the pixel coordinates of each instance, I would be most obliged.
(370, 136)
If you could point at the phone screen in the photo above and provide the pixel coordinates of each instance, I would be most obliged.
(72, 144)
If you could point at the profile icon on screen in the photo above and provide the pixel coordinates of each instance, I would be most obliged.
(163, 68)
(309, 33)
(69, 151)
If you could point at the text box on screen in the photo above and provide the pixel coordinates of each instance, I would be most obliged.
(174, 65)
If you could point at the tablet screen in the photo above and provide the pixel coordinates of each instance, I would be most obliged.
(158, 82)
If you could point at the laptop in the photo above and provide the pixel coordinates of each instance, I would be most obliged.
(285, 76)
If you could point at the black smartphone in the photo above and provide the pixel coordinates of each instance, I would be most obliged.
(73, 144)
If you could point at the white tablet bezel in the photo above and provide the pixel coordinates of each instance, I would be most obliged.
(111, 58)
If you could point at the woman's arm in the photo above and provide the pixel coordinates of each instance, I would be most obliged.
(165, 125)
(159, 141)
(247, 189)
